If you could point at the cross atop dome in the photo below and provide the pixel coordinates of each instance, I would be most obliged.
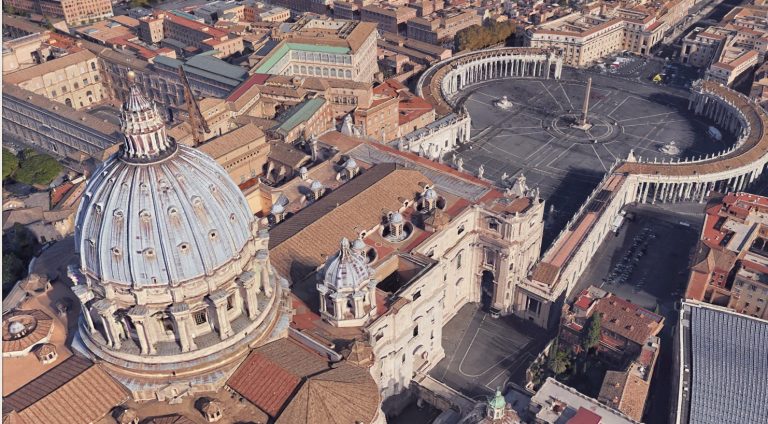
(143, 127)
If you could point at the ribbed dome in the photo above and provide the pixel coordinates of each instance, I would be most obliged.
(162, 222)
(157, 213)
(346, 269)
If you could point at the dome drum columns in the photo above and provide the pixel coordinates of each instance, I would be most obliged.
(252, 286)
(138, 316)
(106, 310)
(219, 298)
(183, 319)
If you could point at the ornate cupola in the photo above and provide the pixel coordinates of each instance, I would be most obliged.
(347, 290)
(143, 127)
(429, 199)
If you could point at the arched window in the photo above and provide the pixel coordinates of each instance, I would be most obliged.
(333, 73)
(325, 72)
(68, 102)
(93, 66)
(348, 73)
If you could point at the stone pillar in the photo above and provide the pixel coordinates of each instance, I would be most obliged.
(262, 256)
(585, 108)
(138, 315)
(359, 304)
(251, 284)
(338, 305)
(183, 318)
(219, 300)
(84, 294)
(106, 310)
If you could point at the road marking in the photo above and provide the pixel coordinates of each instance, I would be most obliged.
(598, 157)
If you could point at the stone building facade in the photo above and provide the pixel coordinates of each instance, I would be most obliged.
(58, 129)
(74, 12)
(74, 79)
(324, 48)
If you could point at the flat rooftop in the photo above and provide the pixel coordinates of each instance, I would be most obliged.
(723, 360)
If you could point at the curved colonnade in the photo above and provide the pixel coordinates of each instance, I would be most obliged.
(441, 83)
(690, 179)
(630, 180)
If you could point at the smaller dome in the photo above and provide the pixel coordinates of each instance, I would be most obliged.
(303, 170)
(358, 245)
(346, 269)
(316, 185)
(396, 218)
(430, 194)
(277, 208)
(16, 328)
(351, 164)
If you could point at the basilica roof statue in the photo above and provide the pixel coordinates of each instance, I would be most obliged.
(174, 276)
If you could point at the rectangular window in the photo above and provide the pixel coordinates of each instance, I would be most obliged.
(458, 261)
(415, 331)
(533, 305)
(200, 317)
(417, 295)
(230, 302)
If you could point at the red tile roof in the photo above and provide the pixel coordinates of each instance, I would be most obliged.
(585, 416)
(255, 79)
(264, 383)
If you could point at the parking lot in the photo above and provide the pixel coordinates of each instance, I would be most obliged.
(483, 353)
(647, 261)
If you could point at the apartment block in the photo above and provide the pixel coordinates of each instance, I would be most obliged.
(188, 35)
(588, 36)
(73, 12)
(731, 268)
(442, 25)
(389, 18)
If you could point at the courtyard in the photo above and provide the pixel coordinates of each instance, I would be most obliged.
(533, 135)
(484, 353)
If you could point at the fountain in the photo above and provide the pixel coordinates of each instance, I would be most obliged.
(503, 103)
(670, 149)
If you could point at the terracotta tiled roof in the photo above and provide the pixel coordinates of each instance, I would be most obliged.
(545, 273)
(75, 391)
(303, 242)
(627, 319)
(171, 419)
(47, 67)
(264, 383)
(271, 374)
(346, 394)
(233, 140)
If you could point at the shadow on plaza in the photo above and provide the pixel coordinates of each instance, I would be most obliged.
(572, 190)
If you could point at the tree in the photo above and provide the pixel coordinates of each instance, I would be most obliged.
(478, 37)
(559, 360)
(13, 270)
(591, 332)
(37, 169)
(10, 163)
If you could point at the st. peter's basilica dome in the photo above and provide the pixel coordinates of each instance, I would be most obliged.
(175, 277)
